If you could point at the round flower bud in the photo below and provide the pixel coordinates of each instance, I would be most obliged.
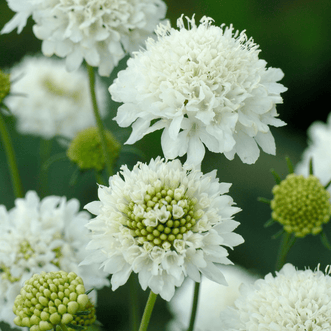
(301, 205)
(42, 313)
(87, 318)
(86, 149)
(4, 85)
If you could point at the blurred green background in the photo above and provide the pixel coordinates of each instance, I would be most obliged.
(293, 36)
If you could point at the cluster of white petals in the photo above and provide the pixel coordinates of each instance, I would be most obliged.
(164, 223)
(292, 300)
(319, 143)
(204, 85)
(213, 299)
(100, 32)
(42, 235)
(51, 101)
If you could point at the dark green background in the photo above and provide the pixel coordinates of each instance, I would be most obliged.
(293, 36)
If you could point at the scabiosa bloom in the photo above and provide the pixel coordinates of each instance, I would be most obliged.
(213, 299)
(55, 102)
(42, 235)
(319, 135)
(292, 300)
(99, 31)
(204, 85)
(164, 223)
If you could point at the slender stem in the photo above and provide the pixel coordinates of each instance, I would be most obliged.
(133, 303)
(194, 306)
(11, 158)
(45, 152)
(98, 120)
(287, 242)
(148, 311)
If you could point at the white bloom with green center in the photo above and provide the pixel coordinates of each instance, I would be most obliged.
(164, 223)
(204, 85)
(319, 142)
(42, 235)
(54, 102)
(292, 300)
(100, 32)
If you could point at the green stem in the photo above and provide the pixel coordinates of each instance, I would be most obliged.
(287, 242)
(45, 152)
(148, 311)
(109, 164)
(133, 303)
(194, 306)
(11, 158)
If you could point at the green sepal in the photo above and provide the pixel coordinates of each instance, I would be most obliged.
(83, 312)
(269, 223)
(325, 240)
(89, 291)
(264, 200)
(311, 167)
(327, 185)
(276, 176)
(289, 165)
(278, 234)
(76, 327)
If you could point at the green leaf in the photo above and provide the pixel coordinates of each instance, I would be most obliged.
(325, 241)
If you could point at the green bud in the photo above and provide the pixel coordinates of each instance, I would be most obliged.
(86, 149)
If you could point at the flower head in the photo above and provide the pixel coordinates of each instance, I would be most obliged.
(301, 204)
(50, 299)
(86, 150)
(55, 102)
(97, 31)
(164, 223)
(213, 299)
(292, 300)
(4, 85)
(42, 235)
(204, 85)
(318, 149)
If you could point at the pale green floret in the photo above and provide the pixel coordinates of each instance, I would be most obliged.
(177, 214)
(86, 149)
(50, 299)
(4, 85)
(301, 205)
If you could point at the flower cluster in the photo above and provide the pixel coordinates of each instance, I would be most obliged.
(54, 102)
(50, 299)
(47, 235)
(292, 300)
(97, 31)
(204, 85)
(164, 223)
(301, 204)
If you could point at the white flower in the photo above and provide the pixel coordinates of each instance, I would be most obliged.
(203, 85)
(213, 298)
(47, 235)
(99, 31)
(319, 149)
(164, 223)
(54, 102)
(292, 300)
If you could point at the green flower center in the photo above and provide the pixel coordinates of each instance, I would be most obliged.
(86, 149)
(164, 216)
(301, 205)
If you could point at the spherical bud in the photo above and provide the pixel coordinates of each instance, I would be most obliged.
(86, 149)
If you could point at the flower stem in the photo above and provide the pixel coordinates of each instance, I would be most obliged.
(194, 306)
(11, 158)
(109, 164)
(287, 242)
(148, 311)
(133, 303)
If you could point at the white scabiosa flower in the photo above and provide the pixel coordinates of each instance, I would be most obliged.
(292, 300)
(213, 299)
(100, 32)
(204, 85)
(54, 102)
(164, 223)
(42, 235)
(319, 141)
